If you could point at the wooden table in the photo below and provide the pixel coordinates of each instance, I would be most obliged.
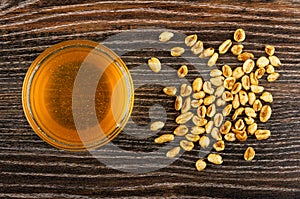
(30, 168)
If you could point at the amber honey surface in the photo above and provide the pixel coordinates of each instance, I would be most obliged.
(52, 100)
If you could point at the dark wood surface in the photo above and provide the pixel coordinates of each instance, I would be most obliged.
(30, 168)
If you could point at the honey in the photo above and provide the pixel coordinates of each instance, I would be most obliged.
(77, 95)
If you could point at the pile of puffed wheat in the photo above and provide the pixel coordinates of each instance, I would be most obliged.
(244, 102)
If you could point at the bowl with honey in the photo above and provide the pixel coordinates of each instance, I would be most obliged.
(77, 95)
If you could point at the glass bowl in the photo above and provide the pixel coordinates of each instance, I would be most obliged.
(77, 95)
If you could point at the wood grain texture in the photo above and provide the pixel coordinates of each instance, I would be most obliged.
(30, 168)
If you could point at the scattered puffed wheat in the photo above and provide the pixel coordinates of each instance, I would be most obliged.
(215, 158)
(182, 71)
(198, 121)
(252, 128)
(275, 61)
(170, 91)
(200, 165)
(199, 95)
(244, 56)
(157, 125)
(230, 137)
(197, 85)
(227, 96)
(262, 61)
(253, 79)
(239, 35)
(184, 117)
(251, 98)
(207, 88)
(185, 90)
(229, 82)
(219, 91)
(208, 52)
(250, 112)
(265, 113)
(225, 128)
(201, 111)
(196, 103)
(259, 73)
(238, 112)
(173, 152)
(248, 66)
(236, 101)
(270, 50)
(213, 60)
(236, 88)
(267, 97)
(227, 71)
(154, 64)
(190, 40)
(249, 120)
(187, 145)
(237, 49)
(209, 126)
(220, 102)
(178, 103)
(256, 89)
(186, 106)
(197, 130)
(215, 133)
(239, 124)
(165, 36)
(197, 48)
(217, 81)
(219, 145)
(164, 138)
(243, 97)
(246, 82)
(204, 142)
(192, 137)
(270, 69)
(209, 100)
(211, 110)
(181, 130)
(257, 105)
(249, 154)
(177, 51)
(218, 119)
(262, 134)
(224, 47)
(215, 73)
(272, 77)
(238, 72)
(226, 111)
